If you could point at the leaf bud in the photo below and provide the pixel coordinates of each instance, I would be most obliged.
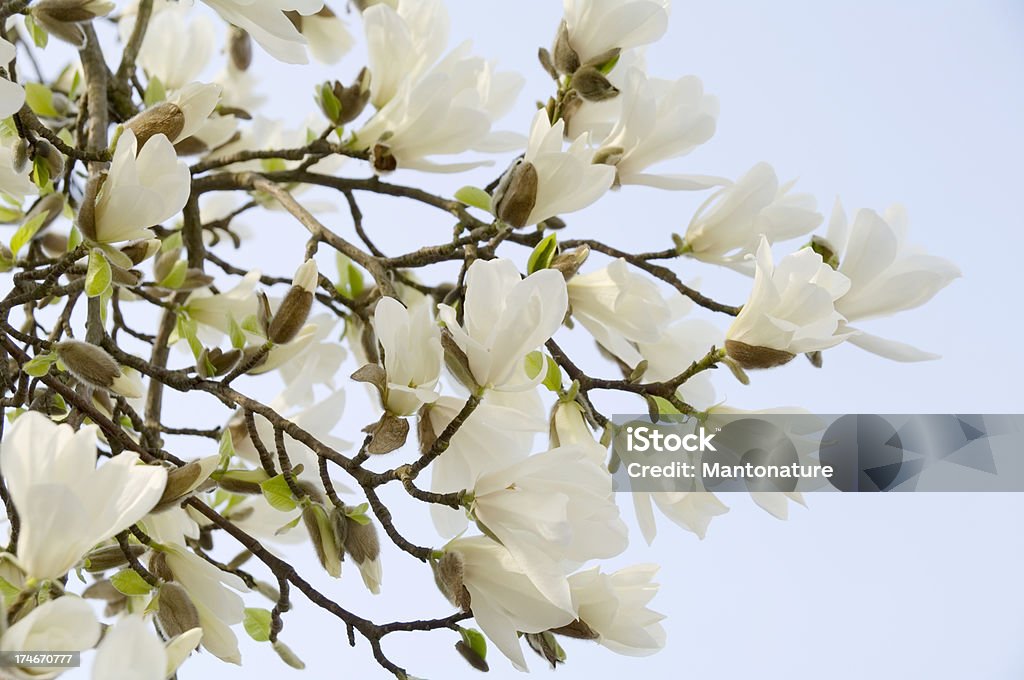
(566, 60)
(569, 263)
(592, 85)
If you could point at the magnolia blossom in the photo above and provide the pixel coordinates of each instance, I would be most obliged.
(143, 188)
(659, 120)
(13, 183)
(729, 225)
(402, 42)
(691, 510)
(503, 598)
(597, 26)
(550, 181)
(552, 508)
(65, 624)
(216, 311)
(615, 607)
(12, 95)
(328, 36)
(887, 275)
(130, 650)
(506, 318)
(196, 101)
(498, 433)
(619, 307)
(268, 24)
(791, 310)
(175, 51)
(211, 590)
(412, 354)
(448, 111)
(569, 428)
(66, 504)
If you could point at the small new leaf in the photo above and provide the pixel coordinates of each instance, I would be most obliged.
(98, 275)
(257, 623)
(542, 255)
(475, 197)
(128, 582)
(277, 493)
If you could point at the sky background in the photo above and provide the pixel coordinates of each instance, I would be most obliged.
(919, 102)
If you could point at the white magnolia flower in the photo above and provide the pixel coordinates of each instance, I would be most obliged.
(597, 26)
(659, 120)
(210, 590)
(552, 509)
(268, 24)
(130, 650)
(619, 307)
(216, 311)
(402, 42)
(791, 310)
(615, 607)
(506, 318)
(66, 624)
(12, 95)
(175, 50)
(691, 510)
(143, 188)
(412, 354)
(328, 36)
(196, 101)
(66, 504)
(15, 184)
(450, 110)
(729, 225)
(887, 275)
(498, 433)
(563, 181)
(503, 598)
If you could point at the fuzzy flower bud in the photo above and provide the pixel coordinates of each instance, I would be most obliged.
(592, 85)
(240, 49)
(294, 309)
(140, 251)
(93, 366)
(449, 574)
(181, 482)
(110, 557)
(165, 119)
(362, 544)
(516, 194)
(321, 533)
(565, 58)
(53, 158)
(75, 11)
(176, 613)
(216, 362)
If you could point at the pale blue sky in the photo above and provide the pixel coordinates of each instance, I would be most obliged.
(919, 102)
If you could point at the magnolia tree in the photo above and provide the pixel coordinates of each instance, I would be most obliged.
(113, 172)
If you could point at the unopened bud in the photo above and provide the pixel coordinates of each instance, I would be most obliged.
(547, 63)
(471, 657)
(569, 263)
(288, 656)
(457, 361)
(565, 58)
(86, 219)
(53, 158)
(362, 544)
(69, 32)
(125, 277)
(54, 244)
(321, 533)
(516, 194)
(216, 362)
(750, 356)
(140, 251)
(240, 49)
(547, 647)
(20, 161)
(158, 567)
(736, 370)
(593, 85)
(110, 557)
(176, 613)
(184, 480)
(340, 520)
(263, 312)
(6, 258)
(349, 102)
(93, 366)
(242, 481)
(291, 315)
(449, 575)
(827, 251)
(75, 11)
(165, 119)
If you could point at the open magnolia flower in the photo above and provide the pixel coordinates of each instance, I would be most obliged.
(791, 310)
(143, 188)
(12, 95)
(131, 649)
(66, 624)
(887, 275)
(268, 24)
(506, 318)
(593, 28)
(730, 224)
(178, 44)
(403, 39)
(412, 354)
(614, 607)
(66, 504)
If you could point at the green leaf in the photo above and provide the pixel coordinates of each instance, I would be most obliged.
(535, 361)
(187, 329)
(40, 365)
(176, 276)
(236, 334)
(98, 276)
(39, 35)
(358, 514)
(128, 582)
(475, 197)
(542, 255)
(41, 174)
(226, 448)
(329, 103)
(9, 591)
(553, 380)
(475, 640)
(274, 165)
(288, 527)
(155, 92)
(257, 623)
(40, 99)
(277, 493)
(350, 278)
(175, 240)
(74, 239)
(607, 66)
(26, 231)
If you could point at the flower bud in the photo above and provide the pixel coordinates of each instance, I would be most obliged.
(547, 647)
(287, 655)
(565, 58)
(125, 277)
(165, 119)
(263, 312)
(54, 244)
(68, 31)
(110, 557)
(349, 102)
(93, 366)
(291, 316)
(176, 613)
(569, 263)
(216, 362)
(240, 49)
(20, 161)
(321, 533)
(53, 158)
(516, 194)
(86, 219)
(471, 657)
(382, 160)
(593, 85)
(163, 265)
(158, 567)
(242, 481)
(140, 251)
(449, 574)
(457, 361)
(571, 103)
(115, 600)
(52, 205)
(547, 63)
(182, 481)
(749, 356)
(362, 544)
(75, 11)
